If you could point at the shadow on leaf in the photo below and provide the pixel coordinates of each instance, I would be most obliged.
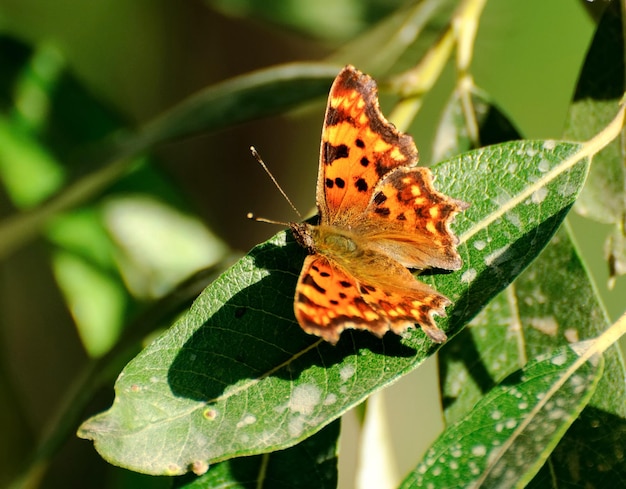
(254, 334)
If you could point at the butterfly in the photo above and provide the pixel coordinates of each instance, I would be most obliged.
(379, 215)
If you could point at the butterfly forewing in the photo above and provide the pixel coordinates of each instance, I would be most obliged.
(358, 147)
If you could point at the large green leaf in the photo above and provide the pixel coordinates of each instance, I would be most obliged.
(571, 303)
(236, 375)
(512, 430)
(247, 97)
(550, 305)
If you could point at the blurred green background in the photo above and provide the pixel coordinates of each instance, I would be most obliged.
(66, 296)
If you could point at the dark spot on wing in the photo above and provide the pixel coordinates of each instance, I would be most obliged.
(332, 153)
(361, 185)
(304, 299)
(309, 280)
(379, 198)
(381, 170)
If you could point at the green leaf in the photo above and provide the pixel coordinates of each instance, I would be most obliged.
(243, 98)
(528, 319)
(550, 305)
(599, 91)
(513, 429)
(571, 299)
(480, 357)
(309, 464)
(236, 376)
(452, 135)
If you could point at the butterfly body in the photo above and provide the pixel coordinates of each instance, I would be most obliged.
(378, 215)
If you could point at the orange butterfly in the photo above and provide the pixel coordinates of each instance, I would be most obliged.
(378, 214)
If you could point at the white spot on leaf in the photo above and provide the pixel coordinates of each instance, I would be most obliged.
(248, 419)
(480, 244)
(568, 189)
(468, 276)
(330, 399)
(494, 256)
(199, 467)
(571, 335)
(479, 450)
(539, 195)
(510, 424)
(346, 372)
(547, 325)
(296, 425)
(549, 144)
(304, 399)
(514, 219)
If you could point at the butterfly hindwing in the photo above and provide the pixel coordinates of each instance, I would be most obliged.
(330, 300)
(410, 221)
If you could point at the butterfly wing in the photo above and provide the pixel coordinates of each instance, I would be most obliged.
(358, 147)
(329, 300)
(408, 220)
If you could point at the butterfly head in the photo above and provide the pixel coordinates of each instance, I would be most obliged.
(304, 235)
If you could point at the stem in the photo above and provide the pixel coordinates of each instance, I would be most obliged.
(414, 84)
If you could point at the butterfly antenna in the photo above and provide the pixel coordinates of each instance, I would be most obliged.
(250, 215)
(257, 157)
